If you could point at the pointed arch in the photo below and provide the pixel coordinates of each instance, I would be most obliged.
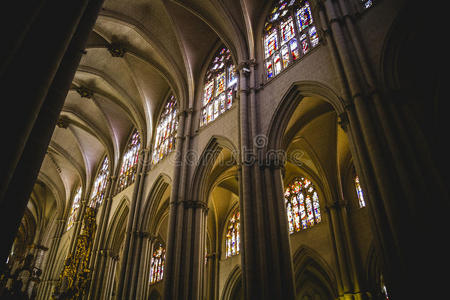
(200, 187)
(312, 274)
(219, 83)
(232, 284)
(152, 211)
(289, 102)
(129, 161)
(117, 226)
(166, 129)
(100, 184)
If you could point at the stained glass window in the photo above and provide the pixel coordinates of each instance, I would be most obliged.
(166, 131)
(383, 287)
(129, 162)
(220, 82)
(289, 24)
(99, 188)
(359, 192)
(302, 205)
(157, 264)
(74, 210)
(233, 239)
(366, 3)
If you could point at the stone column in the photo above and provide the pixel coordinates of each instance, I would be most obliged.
(98, 260)
(348, 283)
(47, 81)
(174, 235)
(371, 161)
(264, 231)
(125, 285)
(110, 272)
(210, 289)
(45, 288)
(144, 270)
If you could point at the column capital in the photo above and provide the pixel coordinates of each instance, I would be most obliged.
(194, 204)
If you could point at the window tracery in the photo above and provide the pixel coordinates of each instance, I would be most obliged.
(74, 210)
(99, 188)
(232, 242)
(129, 162)
(157, 264)
(219, 85)
(302, 205)
(166, 131)
(289, 33)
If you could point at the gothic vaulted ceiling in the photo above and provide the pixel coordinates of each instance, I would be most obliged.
(138, 53)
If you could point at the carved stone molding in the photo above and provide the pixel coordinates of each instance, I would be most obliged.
(343, 120)
(63, 122)
(84, 92)
(116, 50)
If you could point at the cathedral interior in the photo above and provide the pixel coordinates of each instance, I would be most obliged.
(223, 149)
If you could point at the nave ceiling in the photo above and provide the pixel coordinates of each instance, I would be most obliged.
(137, 54)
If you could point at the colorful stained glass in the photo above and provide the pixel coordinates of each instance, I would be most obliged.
(294, 49)
(287, 30)
(99, 188)
(232, 241)
(165, 131)
(232, 78)
(366, 3)
(229, 99)
(203, 119)
(129, 162)
(74, 210)
(313, 37)
(359, 193)
(269, 69)
(271, 44)
(280, 28)
(222, 105)
(305, 44)
(277, 63)
(285, 56)
(157, 264)
(220, 84)
(302, 205)
(216, 107)
(304, 17)
(220, 80)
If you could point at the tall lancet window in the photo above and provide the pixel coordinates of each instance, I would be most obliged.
(359, 192)
(75, 208)
(166, 131)
(219, 86)
(157, 264)
(129, 162)
(232, 241)
(99, 188)
(302, 205)
(289, 34)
